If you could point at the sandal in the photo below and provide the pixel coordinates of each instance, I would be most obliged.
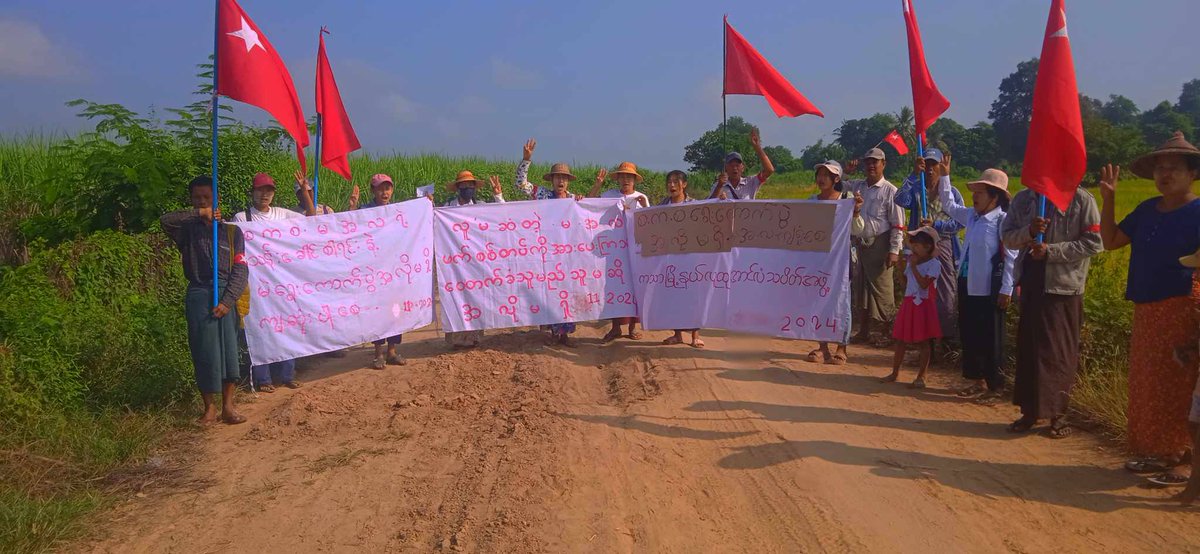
(267, 388)
(396, 360)
(973, 390)
(636, 335)
(1022, 425)
(233, 419)
(698, 343)
(1142, 466)
(814, 356)
(1060, 430)
(989, 397)
(919, 383)
(378, 363)
(565, 340)
(612, 335)
(673, 339)
(1168, 479)
(891, 378)
(838, 359)
(292, 384)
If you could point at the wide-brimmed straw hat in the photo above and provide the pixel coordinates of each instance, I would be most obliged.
(559, 169)
(628, 168)
(991, 178)
(463, 177)
(1144, 166)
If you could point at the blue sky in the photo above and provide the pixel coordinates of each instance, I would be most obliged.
(596, 81)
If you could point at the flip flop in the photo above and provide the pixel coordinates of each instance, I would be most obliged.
(378, 363)
(973, 390)
(1168, 480)
(890, 378)
(919, 383)
(1142, 466)
(837, 359)
(814, 356)
(636, 335)
(396, 360)
(1061, 431)
(1022, 425)
(234, 419)
(612, 335)
(292, 384)
(671, 340)
(266, 388)
(698, 343)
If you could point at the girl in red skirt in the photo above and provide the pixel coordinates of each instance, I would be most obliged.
(917, 320)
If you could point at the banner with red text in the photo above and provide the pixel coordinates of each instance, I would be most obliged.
(778, 268)
(532, 263)
(323, 283)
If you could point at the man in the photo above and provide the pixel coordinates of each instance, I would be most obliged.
(262, 194)
(732, 185)
(1051, 274)
(878, 248)
(212, 337)
(948, 248)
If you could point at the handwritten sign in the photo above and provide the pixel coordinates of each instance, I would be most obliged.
(718, 226)
(322, 283)
(779, 276)
(532, 263)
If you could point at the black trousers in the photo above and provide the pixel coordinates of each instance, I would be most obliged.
(981, 329)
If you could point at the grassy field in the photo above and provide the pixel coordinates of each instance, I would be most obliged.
(62, 402)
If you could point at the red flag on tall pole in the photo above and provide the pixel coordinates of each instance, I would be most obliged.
(928, 102)
(251, 71)
(337, 136)
(748, 72)
(893, 138)
(1055, 155)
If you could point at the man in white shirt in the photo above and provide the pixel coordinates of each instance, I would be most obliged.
(731, 185)
(878, 248)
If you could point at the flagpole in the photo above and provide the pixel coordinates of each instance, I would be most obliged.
(724, 112)
(216, 250)
(317, 165)
(924, 200)
(1041, 214)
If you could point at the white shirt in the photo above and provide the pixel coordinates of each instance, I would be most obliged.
(982, 242)
(274, 213)
(879, 211)
(746, 188)
(631, 200)
(499, 198)
(931, 268)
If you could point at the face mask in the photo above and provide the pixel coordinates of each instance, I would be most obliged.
(466, 194)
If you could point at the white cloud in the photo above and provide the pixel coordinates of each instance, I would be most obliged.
(400, 108)
(508, 75)
(25, 51)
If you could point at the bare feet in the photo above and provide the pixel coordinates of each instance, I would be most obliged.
(891, 378)
(231, 417)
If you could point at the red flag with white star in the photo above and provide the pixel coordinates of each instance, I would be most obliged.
(1055, 155)
(249, 70)
(337, 136)
(893, 138)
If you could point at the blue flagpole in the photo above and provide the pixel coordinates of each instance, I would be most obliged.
(216, 250)
(1042, 214)
(924, 200)
(317, 163)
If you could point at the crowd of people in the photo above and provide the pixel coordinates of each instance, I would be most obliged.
(963, 266)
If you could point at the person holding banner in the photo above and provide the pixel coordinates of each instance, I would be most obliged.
(829, 187)
(677, 194)
(627, 176)
(262, 194)
(985, 280)
(878, 247)
(1165, 296)
(731, 185)
(464, 187)
(381, 195)
(1052, 273)
(917, 321)
(948, 248)
(212, 337)
(560, 178)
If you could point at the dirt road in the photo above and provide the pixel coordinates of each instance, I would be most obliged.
(636, 447)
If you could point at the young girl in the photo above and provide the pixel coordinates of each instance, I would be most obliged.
(829, 187)
(917, 320)
(560, 178)
(677, 194)
(627, 176)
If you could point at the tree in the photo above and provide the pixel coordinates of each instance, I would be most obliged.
(977, 147)
(708, 154)
(1120, 110)
(1161, 122)
(821, 152)
(782, 159)
(944, 134)
(859, 135)
(1108, 143)
(1189, 101)
(1012, 110)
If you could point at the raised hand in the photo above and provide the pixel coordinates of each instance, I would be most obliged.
(354, 196)
(1108, 181)
(303, 180)
(495, 181)
(528, 150)
(944, 167)
(851, 166)
(755, 140)
(858, 203)
(601, 176)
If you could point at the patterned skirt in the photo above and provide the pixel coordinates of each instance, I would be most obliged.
(1160, 391)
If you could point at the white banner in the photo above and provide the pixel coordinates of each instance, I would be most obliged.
(322, 283)
(532, 263)
(702, 268)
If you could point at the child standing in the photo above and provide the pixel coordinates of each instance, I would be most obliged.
(628, 177)
(677, 194)
(917, 321)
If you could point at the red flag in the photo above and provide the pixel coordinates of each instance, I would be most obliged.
(1055, 155)
(893, 138)
(337, 136)
(249, 70)
(747, 72)
(928, 102)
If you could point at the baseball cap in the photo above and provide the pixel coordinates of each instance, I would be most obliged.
(733, 156)
(933, 154)
(874, 154)
(832, 165)
(927, 231)
(263, 180)
(379, 179)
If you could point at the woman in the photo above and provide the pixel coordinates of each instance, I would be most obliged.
(627, 176)
(1165, 296)
(464, 188)
(829, 187)
(677, 194)
(560, 178)
(985, 280)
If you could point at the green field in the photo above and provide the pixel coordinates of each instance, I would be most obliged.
(93, 363)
